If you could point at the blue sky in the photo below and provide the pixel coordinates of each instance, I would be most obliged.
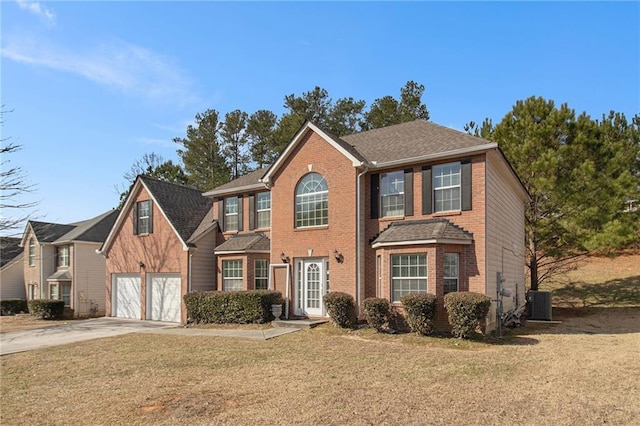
(93, 86)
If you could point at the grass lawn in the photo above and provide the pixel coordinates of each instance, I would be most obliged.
(582, 371)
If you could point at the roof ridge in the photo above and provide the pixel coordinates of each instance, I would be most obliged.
(147, 177)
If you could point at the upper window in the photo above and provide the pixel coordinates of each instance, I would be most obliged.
(451, 272)
(231, 275)
(446, 187)
(63, 255)
(32, 252)
(231, 216)
(312, 201)
(143, 218)
(392, 194)
(261, 273)
(263, 209)
(408, 275)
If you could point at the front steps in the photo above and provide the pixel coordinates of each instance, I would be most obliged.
(301, 324)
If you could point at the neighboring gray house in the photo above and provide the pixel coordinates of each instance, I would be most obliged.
(60, 262)
(11, 269)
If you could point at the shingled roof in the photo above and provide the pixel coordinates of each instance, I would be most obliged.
(256, 242)
(47, 232)
(248, 181)
(184, 207)
(9, 249)
(426, 230)
(92, 230)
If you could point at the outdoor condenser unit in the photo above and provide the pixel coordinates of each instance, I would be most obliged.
(539, 305)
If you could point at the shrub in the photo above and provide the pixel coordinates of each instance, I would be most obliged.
(377, 312)
(466, 311)
(46, 308)
(236, 307)
(341, 308)
(12, 306)
(420, 312)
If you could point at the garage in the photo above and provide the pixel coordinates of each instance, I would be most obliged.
(126, 296)
(163, 297)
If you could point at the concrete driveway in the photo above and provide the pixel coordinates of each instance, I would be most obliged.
(75, 331)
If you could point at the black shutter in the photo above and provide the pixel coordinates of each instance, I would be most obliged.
(150, 217)
(57, 257)
(465, 172)
(134, 210)
(252, 212)
(240, 217)
(375, 194)
(408, 192)
(427, 191)
(221, 213)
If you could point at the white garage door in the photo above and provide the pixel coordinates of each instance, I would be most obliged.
(126, 296)
(164, 297)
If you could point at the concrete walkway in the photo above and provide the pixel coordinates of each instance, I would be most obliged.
(97, 328)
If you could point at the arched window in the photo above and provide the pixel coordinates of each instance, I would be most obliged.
(312, 201)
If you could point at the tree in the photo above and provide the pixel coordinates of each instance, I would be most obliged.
(234, 141)
(13, 186)
(577, 178)
(155, 166)
(200, 152)
(260, 131)
(387, 110)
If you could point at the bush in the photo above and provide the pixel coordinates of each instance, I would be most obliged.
(466, 311)
(420, 312)
(377, 312)
(341, 308)
(46, 308)
(234, 307)
(12, 306)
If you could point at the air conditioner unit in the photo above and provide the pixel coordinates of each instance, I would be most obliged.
(539, 305)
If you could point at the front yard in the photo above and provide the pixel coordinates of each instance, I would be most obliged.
(583, 371)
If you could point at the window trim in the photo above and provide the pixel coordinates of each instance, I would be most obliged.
(444, 270)
(261, 278)
(436, 189)
(225, 278)
(139, 220)
(228, 215)
(64, 256)
(263, 210)
(324, 199)
(393, 279)
(382, 193)
(32, 252)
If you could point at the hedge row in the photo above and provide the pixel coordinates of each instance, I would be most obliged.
(231, 307)
(12, 306)
(467, 311)
(46, 308)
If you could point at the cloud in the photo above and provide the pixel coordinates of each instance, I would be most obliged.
(38, 9)
(155, 141)
(117, 64)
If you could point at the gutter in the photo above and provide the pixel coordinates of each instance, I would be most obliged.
(437, 156)
(234, 190)
(359, 225)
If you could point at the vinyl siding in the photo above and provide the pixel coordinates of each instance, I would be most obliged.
(505, 233)
(88, 277)
(12, 280)
(203, 264)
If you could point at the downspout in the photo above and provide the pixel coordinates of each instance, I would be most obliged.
(189, 271)
(359, 224)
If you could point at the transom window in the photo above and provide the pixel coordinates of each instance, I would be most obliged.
(261, 272)
(446, 187)
(63, 256)
(231, 214)
(144, 217)
(408, 274)
(263, 209)
(312, 201)
(451, 272)
(392, 194)
(32, 252)
(231, 275)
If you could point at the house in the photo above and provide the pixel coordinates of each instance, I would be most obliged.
(11, 269)
(414, 207)
(60, 262)
(159, 248)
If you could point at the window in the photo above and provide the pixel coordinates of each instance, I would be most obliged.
(231, 275)
(53, 292)
(263, 209)
(451, 272)
(312, 203)
(408, 275)
(143, 218)
(63, 255)
(261, 272)
(446, 187)
(231, 214)
(392, 194)
(61, 291)
(32, 252)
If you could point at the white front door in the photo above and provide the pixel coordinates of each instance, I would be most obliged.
(312, 285)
